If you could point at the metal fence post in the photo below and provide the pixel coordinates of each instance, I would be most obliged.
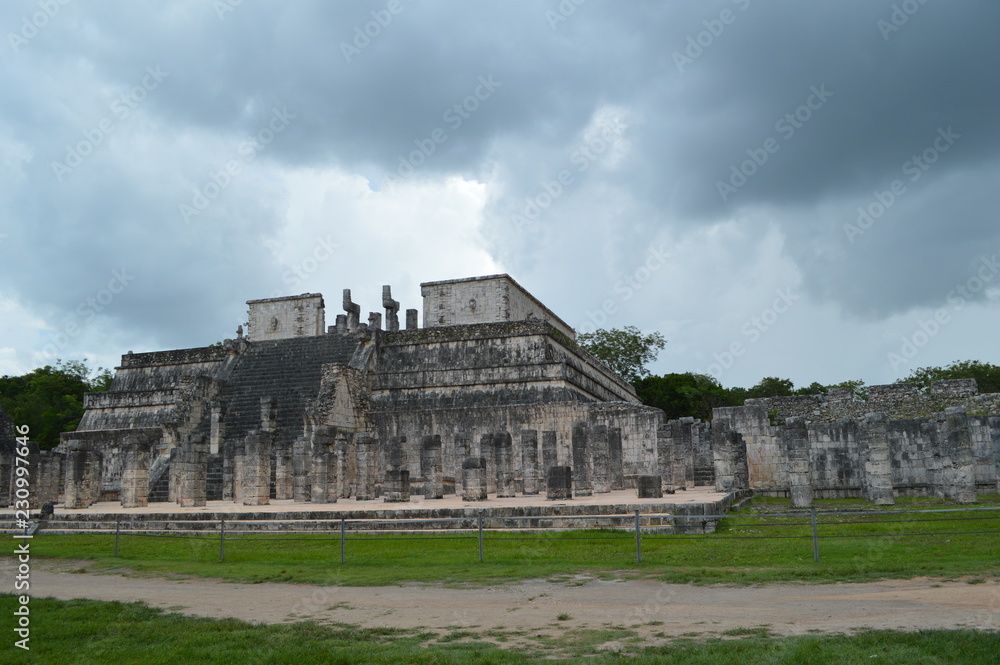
(812, 517)
(118, 529)
(480, 537)
(222, 540)
(638, 540)
(341, 540)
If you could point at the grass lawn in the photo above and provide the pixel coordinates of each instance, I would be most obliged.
(751, 546)
(84, 631)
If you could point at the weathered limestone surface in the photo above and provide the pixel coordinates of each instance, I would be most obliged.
(135, 475)
(529, 461)
(430, 467)
(366, 452)
(795, 441)
(665, 459)
(601, 458)
(957, 476)
(649, 487)
(731, 472)
(550, 455)
(257, 468)
(83, 478)
(615, 458)
(504, 464)
(474, 479)
(189, 463)
(396, 488)
(876, 466)
(559, 483)
(582, 461)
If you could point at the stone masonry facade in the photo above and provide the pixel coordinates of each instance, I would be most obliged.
(492, 397)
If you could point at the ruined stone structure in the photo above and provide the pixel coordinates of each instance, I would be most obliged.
(483, 400)
(898, 442)
(492, 397)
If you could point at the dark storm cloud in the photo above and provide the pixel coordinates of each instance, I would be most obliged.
(697, 85)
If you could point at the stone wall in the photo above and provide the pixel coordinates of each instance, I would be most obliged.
(908, 450)
(899, 401)
(499, 363)
(489, 299)
(289, 316)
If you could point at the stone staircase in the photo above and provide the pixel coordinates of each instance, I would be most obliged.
(288, 370)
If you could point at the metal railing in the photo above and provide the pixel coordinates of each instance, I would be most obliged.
(636, 527)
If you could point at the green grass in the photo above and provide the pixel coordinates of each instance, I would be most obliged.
(84, 631)
(752, 546)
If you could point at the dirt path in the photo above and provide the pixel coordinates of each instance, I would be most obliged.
(653, 611)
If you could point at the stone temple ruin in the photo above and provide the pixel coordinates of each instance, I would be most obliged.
(492, 397)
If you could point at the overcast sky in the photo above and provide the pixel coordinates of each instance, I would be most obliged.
(800, 189)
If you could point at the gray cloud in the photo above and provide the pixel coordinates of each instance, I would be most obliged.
(687, 121)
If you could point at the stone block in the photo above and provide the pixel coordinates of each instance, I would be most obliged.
(649, 487)
(559, 483)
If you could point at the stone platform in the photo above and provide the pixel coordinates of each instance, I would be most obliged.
(683, 511)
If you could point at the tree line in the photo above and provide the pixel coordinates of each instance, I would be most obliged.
(49, 400)
(627, 351)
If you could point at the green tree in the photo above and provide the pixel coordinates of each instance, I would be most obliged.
(49, 400)
(987, 376)
(625, 350)
(772, 386)
(688, 394)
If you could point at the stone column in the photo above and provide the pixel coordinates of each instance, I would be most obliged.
(217, 435)
(876, 466)
(649, 487)
(505, 464)
(83, 478)
(601, 456)
(474, 479)
(462, 452)
(324, 466)
(794, 438)
(192, 473)
(430, 467)
(284, 472)
(50, 475)
(366, 464)
(135, 475)
(665, 458)
(411, 319)
(529, 460)
(342, 457)
(729, 451)
(582, 462)
(958, 481)
(396, 488)
(677, 432)
(239, 469)
(487, 450)
(559, 483)
(257, 468)
(550, 452)
(353, 311)
(615, 456)
(301, 470)
(391, 309)
(687, 446)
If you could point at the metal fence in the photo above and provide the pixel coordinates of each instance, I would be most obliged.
(636, 528)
